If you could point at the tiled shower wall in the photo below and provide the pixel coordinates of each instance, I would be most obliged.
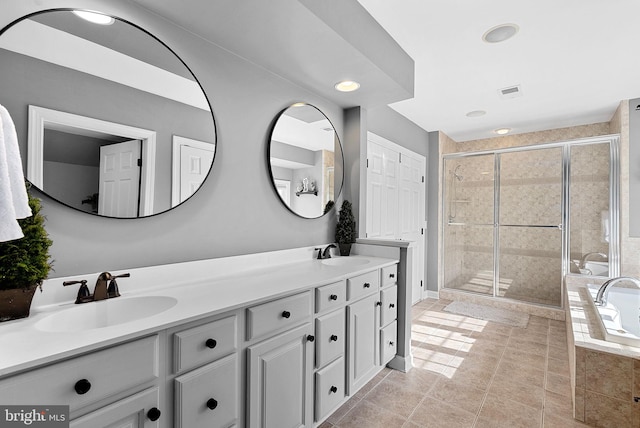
(530, 267)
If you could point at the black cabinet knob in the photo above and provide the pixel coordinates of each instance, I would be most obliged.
(366, 285)
(82, 386)
(154, 414)
(286, 314)
(333, 389)
(390, 343)
(333, 338)
(212, 403)
(333, 297)
(311, 338)
(392, 275)
(392, 305)
(378, 303)
(211, 343)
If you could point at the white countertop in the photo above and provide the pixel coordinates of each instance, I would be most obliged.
(200, 292)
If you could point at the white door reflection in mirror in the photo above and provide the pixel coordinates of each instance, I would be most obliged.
(284, 190)
(119, 179)
(191, 162)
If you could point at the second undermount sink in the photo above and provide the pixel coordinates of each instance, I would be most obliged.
(345, 261)
(106, 313)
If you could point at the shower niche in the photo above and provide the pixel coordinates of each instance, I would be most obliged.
(517, 220)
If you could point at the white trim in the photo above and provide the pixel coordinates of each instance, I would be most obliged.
(433, 294)
(40, 116)
(176, 144)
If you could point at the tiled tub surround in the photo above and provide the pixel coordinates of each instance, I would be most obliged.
(605, 376)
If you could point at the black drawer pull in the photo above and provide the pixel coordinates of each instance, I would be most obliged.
(392, 275)
(211, 343)
(310, 338)
(154, 414)
(378, 303)
(392, 305)
(212, 403)
(333, 338)
(333, 297)
(286, 314)
(333, 389)
(366, 285)
(82, 386)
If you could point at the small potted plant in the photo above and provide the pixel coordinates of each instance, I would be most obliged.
(24, 264)
(345, 229)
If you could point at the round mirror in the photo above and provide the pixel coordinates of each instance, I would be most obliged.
(109, 119)
(305, 158)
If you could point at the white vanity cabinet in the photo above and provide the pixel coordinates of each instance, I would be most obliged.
(388, 314)
(140, 410)
(205, 357)
(280, 367)
(99, 378)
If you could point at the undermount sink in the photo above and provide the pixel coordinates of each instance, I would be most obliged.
(106, 313)
(345, 261)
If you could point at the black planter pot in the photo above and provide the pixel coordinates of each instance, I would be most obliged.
(345, 249)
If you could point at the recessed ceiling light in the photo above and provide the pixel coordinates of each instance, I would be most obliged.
(347, 86)
(94, 17)
(298, 105)
(500, 33)
(502, 131)
(476, 113)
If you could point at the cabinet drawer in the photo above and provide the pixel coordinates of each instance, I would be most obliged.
(388, 342)
(278, 315)
(389, 275)
(124, 413)
(330, 336)
(363, 285)
(330, 390)
(388, 305)
(330, 296)
(208, 342)
(208, 396)
(100, 374)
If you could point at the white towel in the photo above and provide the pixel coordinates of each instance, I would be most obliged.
(14, 202)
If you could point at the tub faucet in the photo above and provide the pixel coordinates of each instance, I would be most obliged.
(604, 288)
(587, 256)
(326, 253)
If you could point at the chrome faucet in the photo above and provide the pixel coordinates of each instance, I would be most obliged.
(106, 288)
(587, 256)
(604, 288)
(326, 253)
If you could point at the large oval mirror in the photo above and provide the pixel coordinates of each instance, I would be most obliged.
(109, 119)
(305, 158)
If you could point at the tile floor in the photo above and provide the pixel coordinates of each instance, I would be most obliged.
(470, 373)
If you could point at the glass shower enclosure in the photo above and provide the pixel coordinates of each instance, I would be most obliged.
(516, 220)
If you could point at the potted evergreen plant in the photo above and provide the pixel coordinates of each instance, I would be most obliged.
(345, 229)
(24, 264)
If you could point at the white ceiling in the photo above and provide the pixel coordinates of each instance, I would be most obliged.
(574, 59)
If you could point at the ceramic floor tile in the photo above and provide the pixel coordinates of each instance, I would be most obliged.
(471, 373)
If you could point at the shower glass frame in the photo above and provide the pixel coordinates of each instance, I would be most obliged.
(565, 227)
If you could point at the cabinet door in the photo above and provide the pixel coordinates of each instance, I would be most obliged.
(362, 327)
(208, 397)
(279, 380)
(137, 411)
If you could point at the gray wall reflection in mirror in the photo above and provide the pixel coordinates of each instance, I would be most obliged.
(306, 160)
(79, 92)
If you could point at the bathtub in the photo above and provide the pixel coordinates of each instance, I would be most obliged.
(596, 268)
(620, 317)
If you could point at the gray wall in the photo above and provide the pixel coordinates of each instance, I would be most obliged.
(236, 211)
(634, 168)
(432, 212)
